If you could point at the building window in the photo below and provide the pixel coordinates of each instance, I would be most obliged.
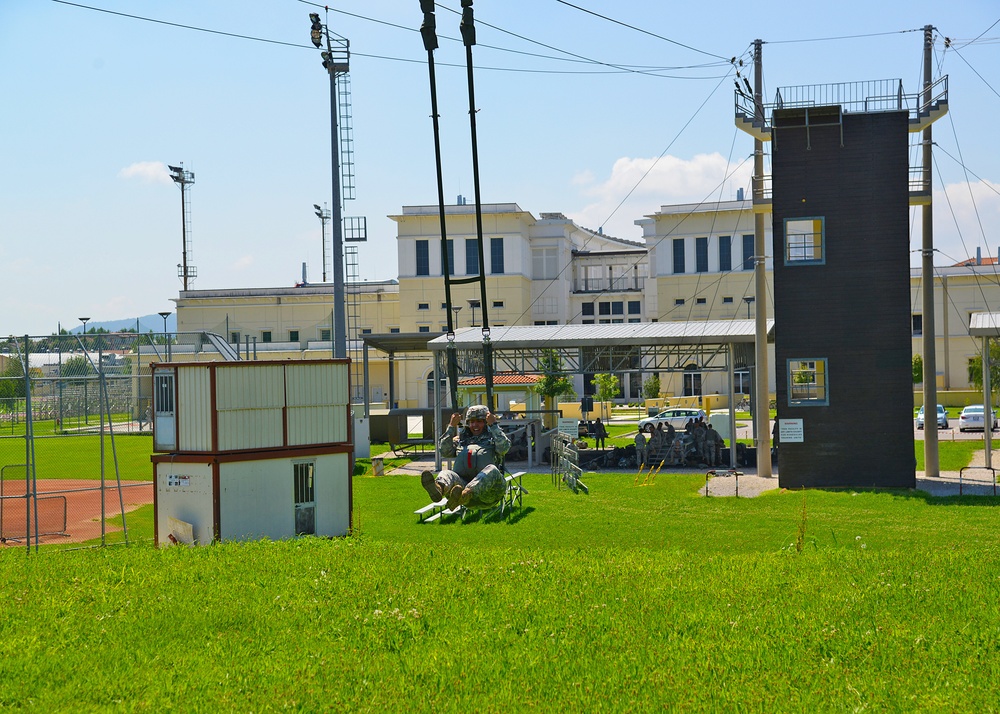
(305, 498)
(586, 322)
(917, 323)
(471, 256)
(678, 255)
(234, 338)
(544, 263)
(634, 307)
(748, 251)
(701, 255)
(293, 335)
(366, 331)
(604, 308)
(634, 319)
(807, 382)
(444, 306)
(451, 256)
(423, 306)
(678, 301)
(424, 328)
(498, 303)
(804, 241)
(727, 301)
(393, 330)
(725, 254)
(423, 258)
(496, 256)
(618, 308)
(587, 308)
(325, 335)
(444, 328)
(700, 301)
(265, 336)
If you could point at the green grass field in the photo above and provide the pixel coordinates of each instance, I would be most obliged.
(631, 598)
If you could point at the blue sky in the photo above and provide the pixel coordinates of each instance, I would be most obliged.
(573, 111)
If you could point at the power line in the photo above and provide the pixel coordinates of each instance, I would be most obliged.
(639, 29)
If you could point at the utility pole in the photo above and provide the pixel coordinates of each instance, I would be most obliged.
(762, 417)
(335, 65)
(932, 468)
(184, 179)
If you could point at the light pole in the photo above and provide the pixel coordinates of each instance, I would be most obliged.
(335, 64)
(324, 216)
(183, 179)
(166, 348)
(749, 301)
(86, 410)
(456, 310)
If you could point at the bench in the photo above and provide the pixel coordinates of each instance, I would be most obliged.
(513, 493)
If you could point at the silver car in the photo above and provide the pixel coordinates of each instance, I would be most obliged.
(942, 417)
(677, 416)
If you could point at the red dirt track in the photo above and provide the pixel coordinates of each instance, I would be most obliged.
(83, 507)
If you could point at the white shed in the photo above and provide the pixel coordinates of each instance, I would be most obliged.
(252, 449)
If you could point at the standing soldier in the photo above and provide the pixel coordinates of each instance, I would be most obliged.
(711, 448)
(640, 448)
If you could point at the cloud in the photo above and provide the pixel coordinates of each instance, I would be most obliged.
(243, 263)
(639, 186)
(146, 171)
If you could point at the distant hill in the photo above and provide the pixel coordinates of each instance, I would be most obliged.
(147, 323)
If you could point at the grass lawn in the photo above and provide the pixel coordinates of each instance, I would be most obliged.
(628, 599)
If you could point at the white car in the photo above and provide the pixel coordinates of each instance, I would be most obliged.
(678, 416)
(972, 418)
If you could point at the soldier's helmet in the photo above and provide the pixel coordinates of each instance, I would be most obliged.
(477, 411)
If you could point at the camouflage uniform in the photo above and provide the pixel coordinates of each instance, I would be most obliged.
(487, 485)
(640, 448)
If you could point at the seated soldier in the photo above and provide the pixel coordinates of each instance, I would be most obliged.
(476, 481)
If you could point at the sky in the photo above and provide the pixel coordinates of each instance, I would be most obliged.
(600, 110)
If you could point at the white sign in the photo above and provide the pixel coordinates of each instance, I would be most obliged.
(790, 431)
(177, 480)
(569, 427)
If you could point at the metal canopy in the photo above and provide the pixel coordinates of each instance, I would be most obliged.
(650, 346)
(399, 342)
(984, 324)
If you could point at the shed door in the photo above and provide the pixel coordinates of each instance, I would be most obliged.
(164, 414)
(303, 474)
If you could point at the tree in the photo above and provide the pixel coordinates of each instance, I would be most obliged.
(651, 387)
(918, 369)
(976, 369)
(76, 366)
(554, 381)
(608, 387)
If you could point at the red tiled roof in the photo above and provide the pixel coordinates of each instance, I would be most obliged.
(510, 378)
(985, 260)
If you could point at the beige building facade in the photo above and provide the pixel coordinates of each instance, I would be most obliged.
(695, 263)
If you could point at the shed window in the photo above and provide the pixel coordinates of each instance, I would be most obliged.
(804, 241)
(807, 382)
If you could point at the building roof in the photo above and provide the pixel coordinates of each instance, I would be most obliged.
(984, 324)
(625, 334)
(511, 379)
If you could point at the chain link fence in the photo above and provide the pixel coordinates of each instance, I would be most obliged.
(76, 438)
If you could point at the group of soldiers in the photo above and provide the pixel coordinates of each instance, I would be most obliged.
(699, 439)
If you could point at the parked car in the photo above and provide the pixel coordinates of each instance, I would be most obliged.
(678, 416)
(942, 417)
(972, 418)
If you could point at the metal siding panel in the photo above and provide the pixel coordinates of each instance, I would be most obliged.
(250, 429)
(317, 425)
(195, 409)
(250, 387)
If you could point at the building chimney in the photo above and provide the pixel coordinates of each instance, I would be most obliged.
(303, 273)
(979, 256)
(739, 194)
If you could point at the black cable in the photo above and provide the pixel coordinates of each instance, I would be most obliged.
(639, 29)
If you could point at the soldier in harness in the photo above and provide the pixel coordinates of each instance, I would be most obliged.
(476, 480)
